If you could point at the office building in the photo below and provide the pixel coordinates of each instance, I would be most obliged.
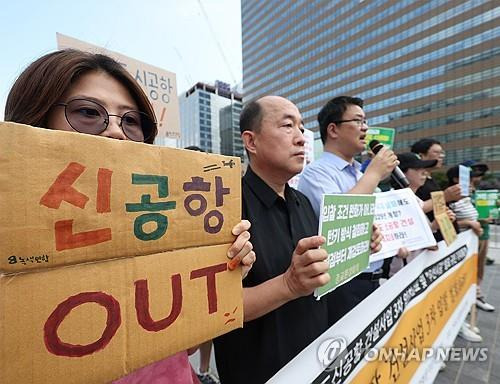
(229, 118)
(200, 110)
(426, 68)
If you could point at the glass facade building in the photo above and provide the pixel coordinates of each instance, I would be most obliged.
(229, 118)
(426, 68)
(200, 110)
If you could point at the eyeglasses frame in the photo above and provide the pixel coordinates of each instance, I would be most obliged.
(106, 120)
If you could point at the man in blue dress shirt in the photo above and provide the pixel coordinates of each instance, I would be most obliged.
(343, 126)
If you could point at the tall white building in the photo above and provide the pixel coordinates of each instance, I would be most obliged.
(200, 115)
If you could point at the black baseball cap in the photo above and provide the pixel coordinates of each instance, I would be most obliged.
(474, 171)
(409, 160)
(477, 169)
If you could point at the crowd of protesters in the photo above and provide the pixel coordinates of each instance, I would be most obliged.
(73, 91)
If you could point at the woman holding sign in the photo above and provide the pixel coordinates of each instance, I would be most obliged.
(93, 94)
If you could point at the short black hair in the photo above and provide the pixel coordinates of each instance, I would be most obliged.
(251, 117)
(423, 145)
(333, 111)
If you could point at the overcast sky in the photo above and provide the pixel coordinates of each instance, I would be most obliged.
(170, 34)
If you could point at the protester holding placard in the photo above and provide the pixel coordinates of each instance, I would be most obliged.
(416, 171)
(281, 314)
(464, 209)
(431, 149)
(343, 129)
(468, 217)
(93, 94)
(485, 201)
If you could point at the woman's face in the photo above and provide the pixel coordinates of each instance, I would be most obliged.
(103, 89)
(416, 177)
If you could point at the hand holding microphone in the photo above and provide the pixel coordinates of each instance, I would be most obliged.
(386, 163)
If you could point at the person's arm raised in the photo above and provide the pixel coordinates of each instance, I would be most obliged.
(379, 168)
(308, 270)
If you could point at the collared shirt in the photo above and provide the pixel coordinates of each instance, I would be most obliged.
(331, 174)
(256, 352)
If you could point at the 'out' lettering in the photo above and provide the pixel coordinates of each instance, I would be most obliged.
(58, 347)
(142, 305)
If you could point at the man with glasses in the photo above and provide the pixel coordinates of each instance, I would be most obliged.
(343, 126)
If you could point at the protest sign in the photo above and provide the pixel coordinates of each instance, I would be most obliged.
(402, 223)
(158, 84)
(69, 198)
(486, 203)
(112, 253)
(445, 225)
(438, 202)
(346, 223)
(383, 135)
(383, 339)
(464, 179)
(95, 322)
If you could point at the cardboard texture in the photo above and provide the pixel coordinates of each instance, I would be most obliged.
(159, 85)
(49, 178)
(445, 225)
(31, 304)
(105, 294)
(438, 202)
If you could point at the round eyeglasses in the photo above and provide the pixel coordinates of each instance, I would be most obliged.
(88, 116)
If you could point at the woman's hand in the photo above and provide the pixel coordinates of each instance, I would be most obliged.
(240, 252)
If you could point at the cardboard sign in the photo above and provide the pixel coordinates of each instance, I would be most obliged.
(445, 225)
(383, 135)
(402, 223)
(464, 179)
(88, 292)
(346, 223)
(486, 203)
(96, 322)
(159, 85)
(69, 198)
(420, 307)
(438, 202)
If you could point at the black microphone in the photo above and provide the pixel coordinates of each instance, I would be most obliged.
(397, 174)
